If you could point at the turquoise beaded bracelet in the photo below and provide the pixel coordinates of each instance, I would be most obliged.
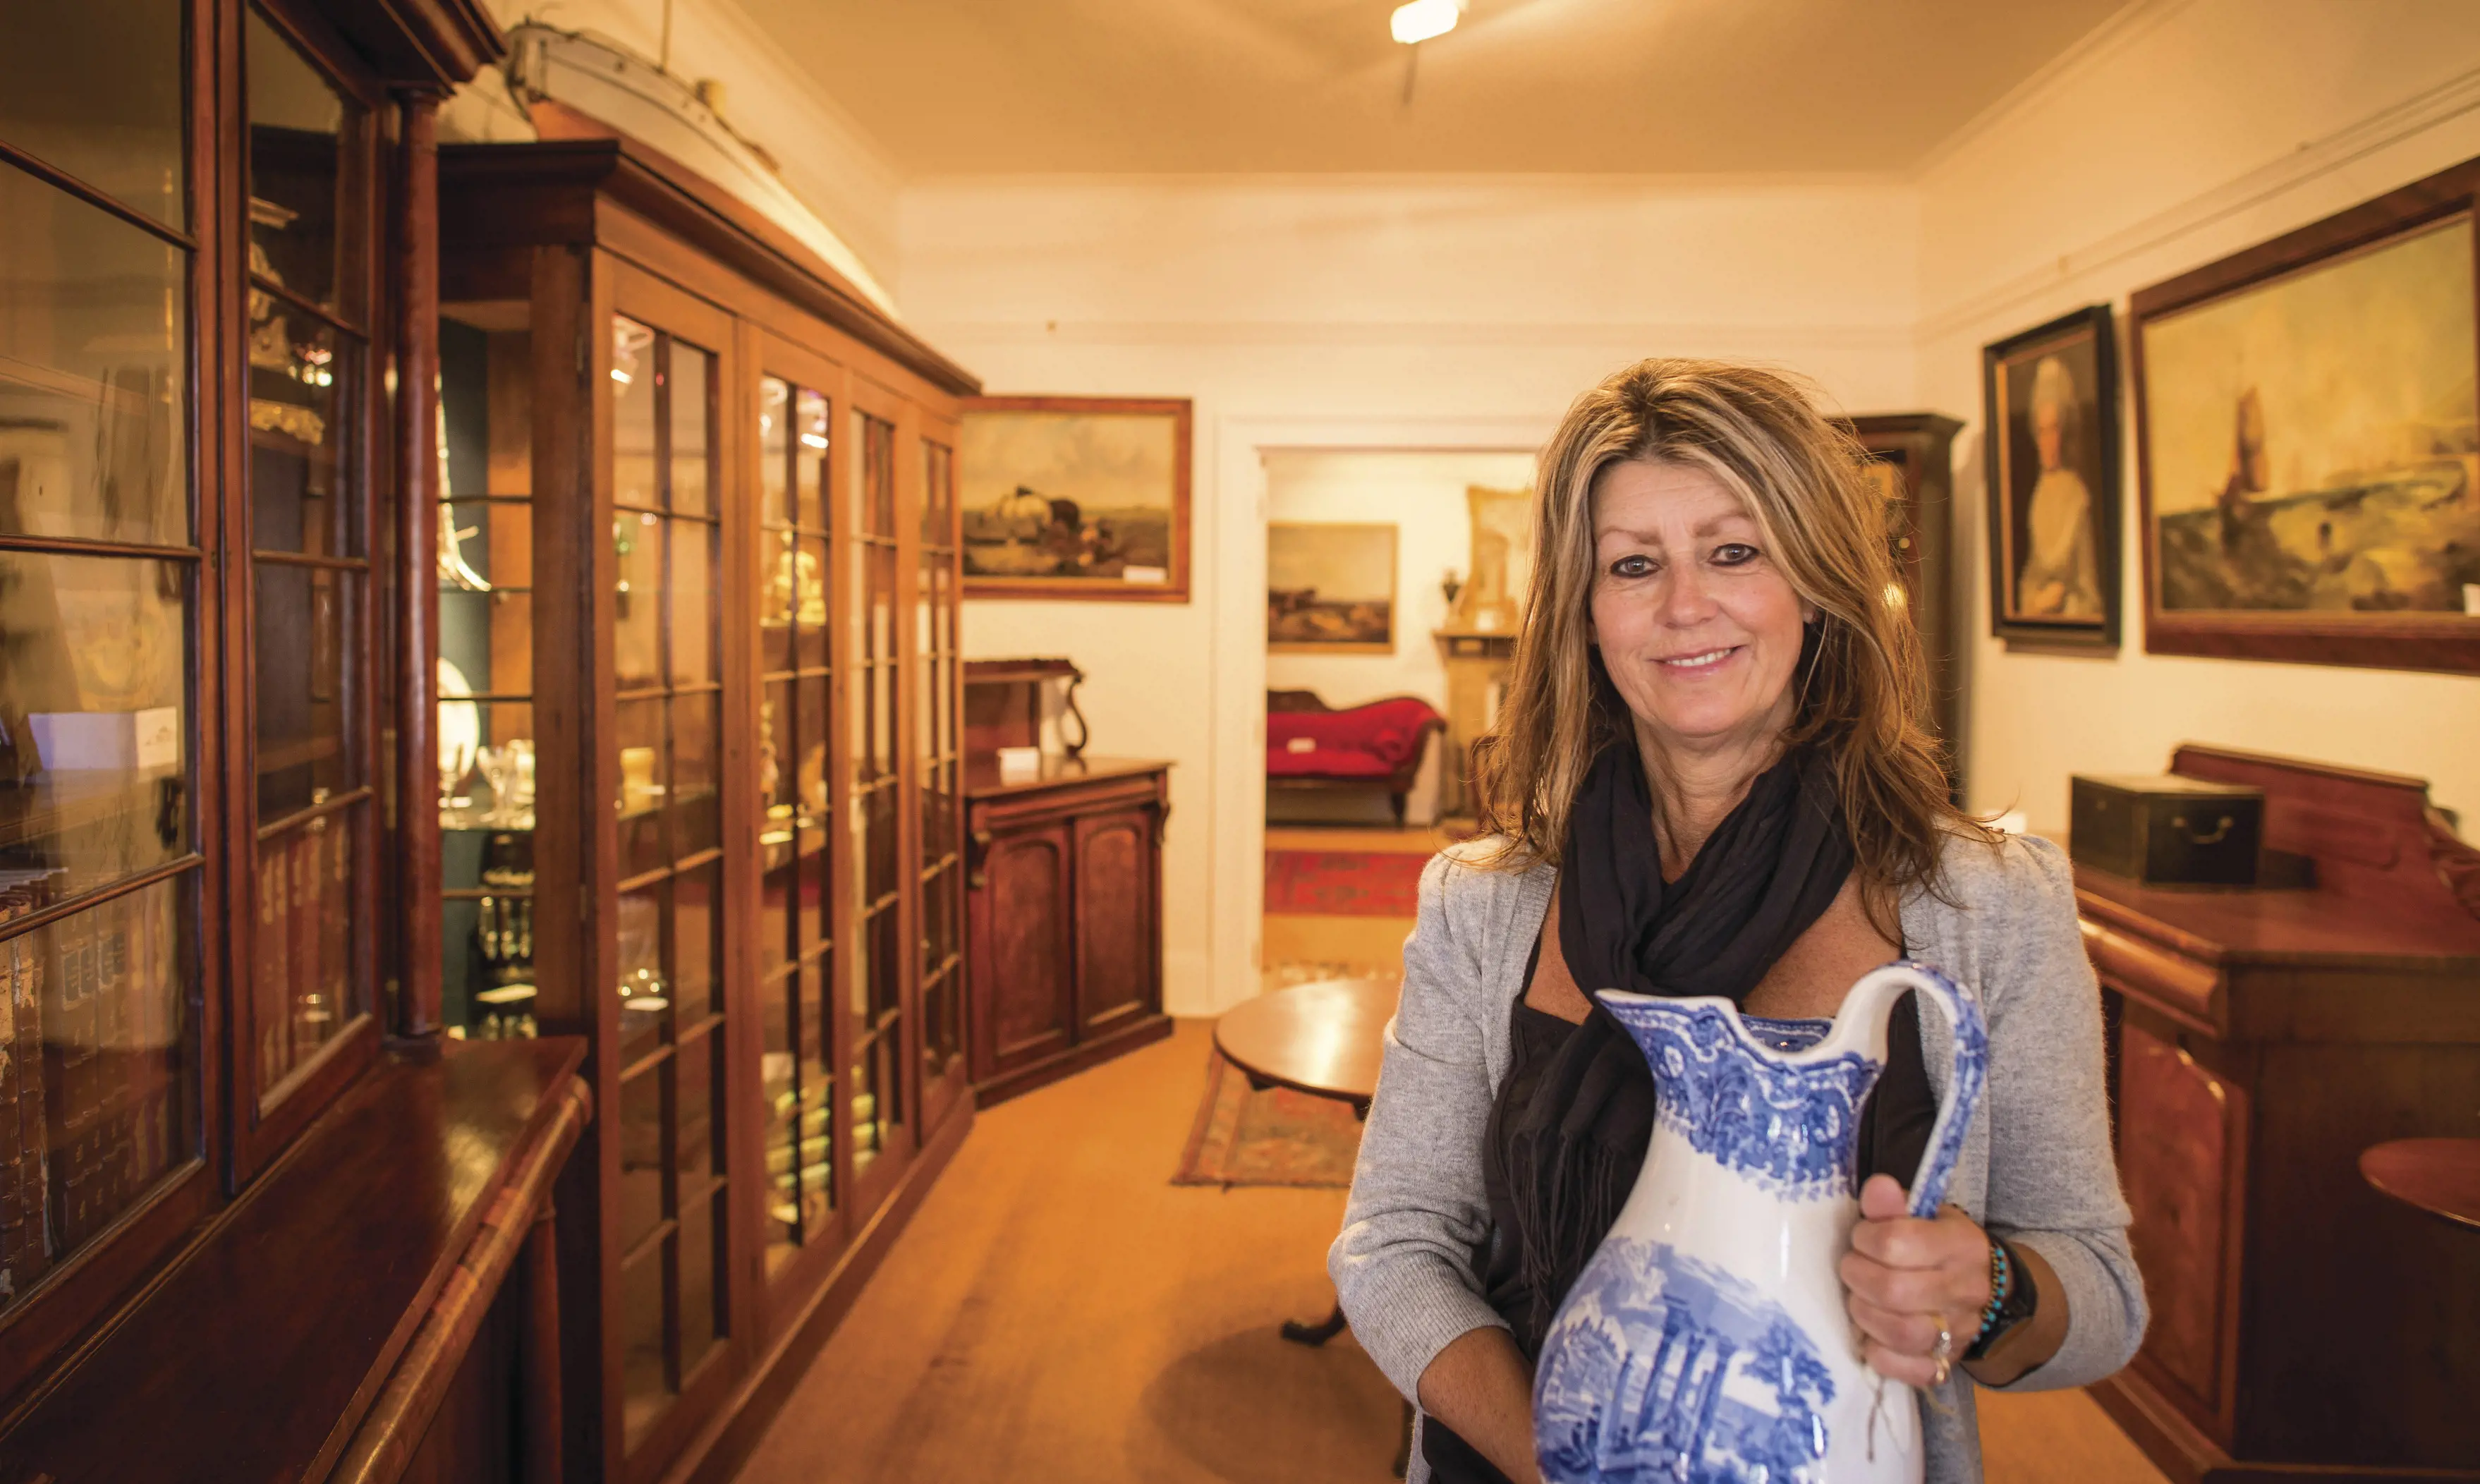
(2001, 1285)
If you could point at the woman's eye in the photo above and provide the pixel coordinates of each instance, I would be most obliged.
(1632, 566)
(1735, 554)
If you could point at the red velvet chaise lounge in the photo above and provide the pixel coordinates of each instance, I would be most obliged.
(1374, 747)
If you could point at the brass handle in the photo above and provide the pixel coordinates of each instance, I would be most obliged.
(2180, 821)
(976, 878)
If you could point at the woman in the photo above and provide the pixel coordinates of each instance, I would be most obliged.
(2060, 577)
(1711, 776)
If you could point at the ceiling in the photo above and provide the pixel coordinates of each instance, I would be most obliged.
(1315, 86)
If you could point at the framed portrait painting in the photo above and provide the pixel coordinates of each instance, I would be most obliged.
(1075, 497)
(2308, 437)
(2050, 397)
(1329, 589)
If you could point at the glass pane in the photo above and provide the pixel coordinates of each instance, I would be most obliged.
(774, 917)
(697, 1135)
(303, 950)
(776, 601)
(97, 1067)
(779, 1011)
(93, 415)
(779, 758)
(304, 755)
(94, 89)
(633, 415)
(692, 580)
(643, 1384)
(774, 452)
(691, 415)
(695, 949)
(877, 476)
(696, 815)
(811, 476)
(298, 165)
(640, 1203)
(643, 787)
(638, 600)
(702, 1293)
(95, 731)
(302, 376)
(645, 995)
(812, 613)
(869, 1134)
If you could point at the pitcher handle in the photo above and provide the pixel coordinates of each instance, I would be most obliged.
(1862, 1024)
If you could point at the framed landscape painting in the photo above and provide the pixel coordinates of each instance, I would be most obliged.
(1329, 589)
(2308, 430)
(2050, 398)
(1075, 497)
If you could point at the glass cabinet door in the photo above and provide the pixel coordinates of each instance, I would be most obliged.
(877, 976)
(100, 867)
(940, 761)
(312, 949)
(666, 538)
(795, 959)
(485, 672)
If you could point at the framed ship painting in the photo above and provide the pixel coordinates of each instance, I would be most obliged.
(2307, 433)
(1329, 589)
(2049, 398)
(1075, 497)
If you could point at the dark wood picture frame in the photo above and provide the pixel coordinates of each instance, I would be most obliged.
(2092, 454)
(1174, 587)
(2426, 640)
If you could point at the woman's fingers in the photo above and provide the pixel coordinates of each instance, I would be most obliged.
(1906, 1277)
(1915, 1289)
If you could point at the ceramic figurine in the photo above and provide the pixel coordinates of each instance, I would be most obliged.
(1707, 1341)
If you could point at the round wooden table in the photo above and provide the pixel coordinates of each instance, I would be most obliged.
(1323, 1038)
(2440, 1176)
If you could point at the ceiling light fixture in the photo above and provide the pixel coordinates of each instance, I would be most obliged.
(1418, 20)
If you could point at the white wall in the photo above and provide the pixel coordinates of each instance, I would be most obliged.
(1419, 315)
(2186, 132)
(1422, 496)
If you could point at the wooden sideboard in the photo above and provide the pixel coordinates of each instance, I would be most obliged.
(1063, 917)
(2303, 1325)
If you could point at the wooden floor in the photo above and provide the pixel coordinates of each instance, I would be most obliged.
(1059, 1311)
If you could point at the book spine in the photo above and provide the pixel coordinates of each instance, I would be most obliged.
(273, 953)
(13, 1164)
(25, 986)
(70, 1054)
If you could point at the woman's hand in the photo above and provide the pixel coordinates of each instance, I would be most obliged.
(1904, 1274)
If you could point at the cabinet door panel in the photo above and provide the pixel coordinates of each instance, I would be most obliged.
(2182, 1141)
(1115, 917)
(1023, 989)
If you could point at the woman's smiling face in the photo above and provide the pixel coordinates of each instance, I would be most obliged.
(1699, 630)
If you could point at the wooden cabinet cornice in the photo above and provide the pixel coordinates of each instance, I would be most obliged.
(2261, 1039)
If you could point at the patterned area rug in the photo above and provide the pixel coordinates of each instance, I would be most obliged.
(1274, 1137)
(1344, 883)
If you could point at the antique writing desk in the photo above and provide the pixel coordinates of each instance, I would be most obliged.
(2303, 1325)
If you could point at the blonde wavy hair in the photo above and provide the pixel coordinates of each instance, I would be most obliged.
(1862, 684)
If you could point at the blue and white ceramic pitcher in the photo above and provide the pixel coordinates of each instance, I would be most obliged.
(1708, 1342)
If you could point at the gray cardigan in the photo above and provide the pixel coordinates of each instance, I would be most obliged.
(1403, 1263)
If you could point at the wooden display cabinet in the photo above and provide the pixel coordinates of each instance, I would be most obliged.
(710, 493)
(1912, 458)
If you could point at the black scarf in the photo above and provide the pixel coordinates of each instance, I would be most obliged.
(1769, 869)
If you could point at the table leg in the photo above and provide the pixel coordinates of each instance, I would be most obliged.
(1318, 1334)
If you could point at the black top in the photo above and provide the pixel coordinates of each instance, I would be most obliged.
(1895, 1124)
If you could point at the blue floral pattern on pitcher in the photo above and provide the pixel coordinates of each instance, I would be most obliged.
(1670, 1368)
(1786, 1128)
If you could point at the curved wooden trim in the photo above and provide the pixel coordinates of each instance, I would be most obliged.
(392, 1431)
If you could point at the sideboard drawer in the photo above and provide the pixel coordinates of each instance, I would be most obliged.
(2179, 986)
